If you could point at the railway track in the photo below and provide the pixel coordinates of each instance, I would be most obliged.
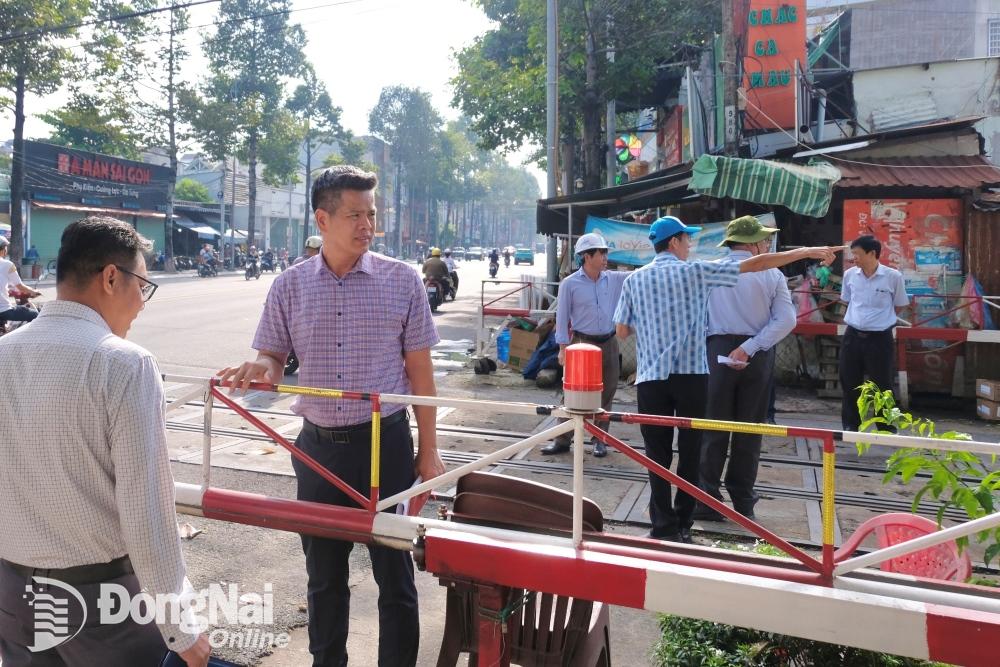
(864, 500)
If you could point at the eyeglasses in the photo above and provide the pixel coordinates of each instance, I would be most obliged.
(148, 288)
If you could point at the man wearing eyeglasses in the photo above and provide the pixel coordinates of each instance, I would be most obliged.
(86, 493)
(587, 302)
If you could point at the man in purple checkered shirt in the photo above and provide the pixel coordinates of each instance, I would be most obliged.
(358, 321)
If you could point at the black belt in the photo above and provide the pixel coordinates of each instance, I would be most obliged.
(869, 334)
(78, 574)
(597, 340)
(342, 434)
(743, 336)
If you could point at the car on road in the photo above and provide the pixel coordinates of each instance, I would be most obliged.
(458, 252)
(525, 255)
(475, 252)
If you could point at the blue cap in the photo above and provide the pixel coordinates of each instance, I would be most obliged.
(666, 227)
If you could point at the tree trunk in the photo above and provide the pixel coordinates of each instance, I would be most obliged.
(168, 222)
(591, 120)
(308, 204)
(252, 184)
(17, 173)
(398, 195)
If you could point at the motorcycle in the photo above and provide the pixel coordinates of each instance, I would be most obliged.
(494, 267)
(506, 261)
(292, 363)
(453, 290)
(21, 299)
(267, 263)
(435, 292)
(207, 270)
(253, 269)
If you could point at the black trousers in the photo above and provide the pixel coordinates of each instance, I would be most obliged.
(124, 644)
(18, 314)
(681, 396)
(327, 561)
(863, 354)
(735, 395)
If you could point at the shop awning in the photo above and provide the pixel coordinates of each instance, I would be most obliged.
(966, 172)
(203, 231)
(84, 208)
(806, 190)
(661, 188)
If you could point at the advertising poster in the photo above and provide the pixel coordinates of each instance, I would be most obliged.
(923, 239)
(628, 242)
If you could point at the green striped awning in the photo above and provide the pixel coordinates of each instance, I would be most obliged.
(805, 189)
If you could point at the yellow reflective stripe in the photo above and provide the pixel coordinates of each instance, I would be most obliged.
(737, 427)
(309, 391)
(376, 447)
(829, 468)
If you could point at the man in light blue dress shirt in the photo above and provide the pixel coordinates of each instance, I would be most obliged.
(587, 302)
(875, 294)
(745, 322)
(665, 304)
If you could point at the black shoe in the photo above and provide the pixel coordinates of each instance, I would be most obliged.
(706, 513)
(600, 449)
(746, 509)
(685, 536)
(555, 448)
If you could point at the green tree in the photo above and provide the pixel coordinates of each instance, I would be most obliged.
(253, 53)
(189, 189)
(350, 151)
(311, 104)
(500, 85)
(406, 120)
(33, 59)
(86, 123)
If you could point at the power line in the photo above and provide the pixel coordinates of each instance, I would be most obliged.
(38, 32)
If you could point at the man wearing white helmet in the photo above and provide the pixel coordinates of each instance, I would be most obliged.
(313, 246)
(587, 302)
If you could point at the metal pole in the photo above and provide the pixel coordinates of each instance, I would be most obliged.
(610, 121)
(578, 481)
(551, 128)
(729, 74)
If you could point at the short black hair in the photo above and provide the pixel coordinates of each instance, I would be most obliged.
(90, 244)
(868, 243)
(664, 245)
(328, 185)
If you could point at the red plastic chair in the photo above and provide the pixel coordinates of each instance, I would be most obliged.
(939, 562)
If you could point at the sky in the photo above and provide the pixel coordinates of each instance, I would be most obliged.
(357, 47)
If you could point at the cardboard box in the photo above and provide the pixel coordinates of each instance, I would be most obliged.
(988, 389)
(988, 410)
(522, 346)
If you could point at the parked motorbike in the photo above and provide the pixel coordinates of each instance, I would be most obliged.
(494, 267)
(253, 269)
(435, 292)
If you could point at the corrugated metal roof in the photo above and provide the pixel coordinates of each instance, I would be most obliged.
(946, 171)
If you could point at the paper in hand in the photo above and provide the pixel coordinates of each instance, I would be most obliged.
(732, 363)
(412, 506)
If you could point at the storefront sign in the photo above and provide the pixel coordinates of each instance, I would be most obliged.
(776, 38)
(59, 174)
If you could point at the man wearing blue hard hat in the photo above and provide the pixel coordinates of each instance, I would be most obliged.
(665, 304)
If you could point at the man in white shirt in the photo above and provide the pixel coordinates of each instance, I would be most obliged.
(745, 322)
(10, 279)
(875, 294)
(86, 493)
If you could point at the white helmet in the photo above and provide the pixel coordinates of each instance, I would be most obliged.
(590, 242)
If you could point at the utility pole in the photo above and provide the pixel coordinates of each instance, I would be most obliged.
(551, 128)
(730, 83)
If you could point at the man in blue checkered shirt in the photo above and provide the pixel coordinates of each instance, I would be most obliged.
(665, 304)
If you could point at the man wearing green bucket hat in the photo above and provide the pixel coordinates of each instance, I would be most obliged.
(745, 323)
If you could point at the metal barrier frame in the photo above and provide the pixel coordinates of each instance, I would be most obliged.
(634, 572)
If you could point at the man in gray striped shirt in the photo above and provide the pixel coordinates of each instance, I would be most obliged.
(86, 493)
